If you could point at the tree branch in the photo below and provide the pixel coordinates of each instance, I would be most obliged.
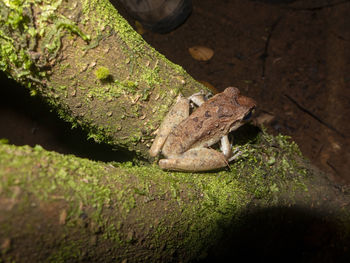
(90, 65)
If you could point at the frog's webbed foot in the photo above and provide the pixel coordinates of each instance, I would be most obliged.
(235, 154)
(195, 160)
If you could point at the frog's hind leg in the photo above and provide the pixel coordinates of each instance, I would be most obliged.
(195, 160)
(176, 114)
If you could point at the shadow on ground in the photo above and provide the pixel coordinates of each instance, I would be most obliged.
(283, 235)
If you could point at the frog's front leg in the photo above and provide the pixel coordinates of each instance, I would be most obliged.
(195, 160)
(226, 148)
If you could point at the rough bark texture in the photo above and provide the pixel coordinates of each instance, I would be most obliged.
(86, 61)
(98, 73)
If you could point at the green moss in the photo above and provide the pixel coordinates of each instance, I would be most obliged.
(71, 27)
(106, 13)
(67, 251)
(270, 165)
(15, 17)
(11, 58)
(102, 73)
(52, 36)
(131, 84)
(16, 20)
(4, 141)
(96, 41)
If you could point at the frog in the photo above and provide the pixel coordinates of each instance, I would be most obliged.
(185, 139)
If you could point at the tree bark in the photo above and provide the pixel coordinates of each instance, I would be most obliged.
(84, 59)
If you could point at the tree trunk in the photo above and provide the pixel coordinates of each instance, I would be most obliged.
(84, 59)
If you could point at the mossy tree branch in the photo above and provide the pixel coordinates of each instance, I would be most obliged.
(86, 61)
(93, 211)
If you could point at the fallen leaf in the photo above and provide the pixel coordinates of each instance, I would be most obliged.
(63, 217)
(264, 118)
(139, 28)
(201, 53)
(5, 246)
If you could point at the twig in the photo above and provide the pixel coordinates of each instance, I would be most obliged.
(316, 8)
(333, 168)
(329, 126)
(265, 54)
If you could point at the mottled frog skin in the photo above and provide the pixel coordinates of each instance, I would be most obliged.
(184, 139)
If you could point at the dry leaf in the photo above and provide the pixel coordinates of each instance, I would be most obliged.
(264, 118)
(139, 28)
(5, 246)
(201, 53)
(63, 217)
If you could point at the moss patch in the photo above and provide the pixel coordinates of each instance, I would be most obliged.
(102, 73)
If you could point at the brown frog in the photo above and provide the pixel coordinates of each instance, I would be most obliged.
(184, 139)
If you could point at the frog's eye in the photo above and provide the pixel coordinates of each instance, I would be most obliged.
(248, 116)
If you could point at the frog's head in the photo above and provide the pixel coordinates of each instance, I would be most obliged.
(243, 107)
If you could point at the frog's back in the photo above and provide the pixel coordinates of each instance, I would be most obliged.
(198, 130)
